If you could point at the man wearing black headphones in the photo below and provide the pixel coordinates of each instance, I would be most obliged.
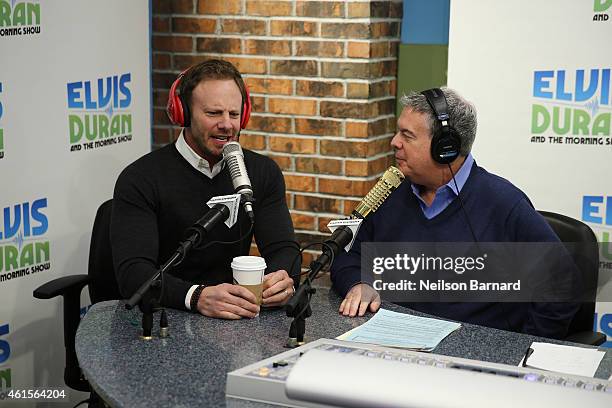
(159, 196)
(447, 197)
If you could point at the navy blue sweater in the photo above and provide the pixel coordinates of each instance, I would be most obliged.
(498, 212)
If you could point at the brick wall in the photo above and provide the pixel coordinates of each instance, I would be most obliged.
(322, 76)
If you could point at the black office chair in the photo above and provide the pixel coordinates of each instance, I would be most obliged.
(582, 245)
(102, 286)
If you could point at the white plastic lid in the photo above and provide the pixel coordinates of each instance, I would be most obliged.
(250, 263)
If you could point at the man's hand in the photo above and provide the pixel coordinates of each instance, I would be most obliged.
(358, 299)
(227, 301)
(277, 288)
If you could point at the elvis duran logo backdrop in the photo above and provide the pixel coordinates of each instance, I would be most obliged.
(74, 111)
(540, 75)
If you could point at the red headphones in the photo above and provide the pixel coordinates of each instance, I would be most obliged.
(178, 109)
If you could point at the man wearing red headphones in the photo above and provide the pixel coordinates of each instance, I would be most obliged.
(159, 196)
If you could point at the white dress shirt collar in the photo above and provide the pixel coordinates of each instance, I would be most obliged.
(195, 160)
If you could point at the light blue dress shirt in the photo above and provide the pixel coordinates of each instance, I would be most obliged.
(446, 193)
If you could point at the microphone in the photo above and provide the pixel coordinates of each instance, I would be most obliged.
(233, 156)
(343, 236)
(222, 209)
(345, 231)
(389, 181)
(216, 215)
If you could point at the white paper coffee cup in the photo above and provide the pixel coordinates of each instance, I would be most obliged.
(248, 272)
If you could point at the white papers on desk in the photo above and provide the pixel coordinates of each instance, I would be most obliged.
(564, 359)
(394, 329)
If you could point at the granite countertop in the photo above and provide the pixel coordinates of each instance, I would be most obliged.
(189, 367)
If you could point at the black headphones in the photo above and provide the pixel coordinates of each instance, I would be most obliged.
(445, 143)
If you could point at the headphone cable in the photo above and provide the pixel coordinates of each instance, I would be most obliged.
(502, 304)
(461, 204)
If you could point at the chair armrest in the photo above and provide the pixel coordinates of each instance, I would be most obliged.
(587, 337)
(69, 287)
(61, 286)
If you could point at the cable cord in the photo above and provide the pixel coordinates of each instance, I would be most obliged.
(178, 261)
(88, 400)
(461, 204)
(503, 306)
(309, 294)
(230, 242)
(301, 251)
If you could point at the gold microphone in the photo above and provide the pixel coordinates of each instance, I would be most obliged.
(389, 181)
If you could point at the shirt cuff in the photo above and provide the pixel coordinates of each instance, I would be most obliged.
(188, 297)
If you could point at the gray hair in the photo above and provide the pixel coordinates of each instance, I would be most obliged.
(462, 115)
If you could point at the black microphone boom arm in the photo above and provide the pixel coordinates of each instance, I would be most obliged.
(216, 215)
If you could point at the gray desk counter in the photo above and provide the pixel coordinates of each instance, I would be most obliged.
(188, 368)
